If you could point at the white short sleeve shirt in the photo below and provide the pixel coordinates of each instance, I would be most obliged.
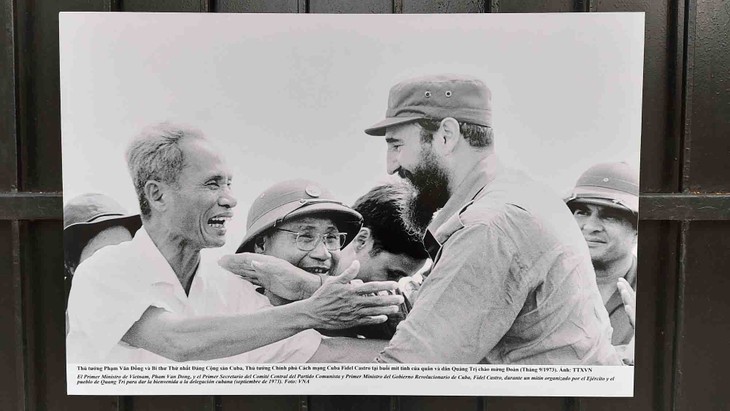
(112, 289)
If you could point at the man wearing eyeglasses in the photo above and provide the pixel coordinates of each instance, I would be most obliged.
(300, 222)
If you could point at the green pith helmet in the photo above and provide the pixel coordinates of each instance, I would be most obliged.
(608, 184)
(293, 199)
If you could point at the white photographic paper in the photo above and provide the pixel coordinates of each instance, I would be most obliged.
(282, 97)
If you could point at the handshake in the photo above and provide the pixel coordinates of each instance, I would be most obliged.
(407, 288)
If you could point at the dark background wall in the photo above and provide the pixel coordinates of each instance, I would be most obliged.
(684, 246)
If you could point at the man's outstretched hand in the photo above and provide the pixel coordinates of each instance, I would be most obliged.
(339, 304)
(274, 274)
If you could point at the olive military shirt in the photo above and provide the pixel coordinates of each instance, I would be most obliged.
(512, 281)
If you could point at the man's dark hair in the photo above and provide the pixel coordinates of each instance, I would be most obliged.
(381, 209)
(476, 135)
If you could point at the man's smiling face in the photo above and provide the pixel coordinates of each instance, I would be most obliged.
(281, 242)
(201, 201)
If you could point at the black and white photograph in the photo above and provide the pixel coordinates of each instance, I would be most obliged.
(351, 204)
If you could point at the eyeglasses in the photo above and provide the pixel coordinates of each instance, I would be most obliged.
(309, 241)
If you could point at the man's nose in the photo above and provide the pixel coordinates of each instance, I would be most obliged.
(591, 223)
(320, 252)
(392, 164)
(227, 199)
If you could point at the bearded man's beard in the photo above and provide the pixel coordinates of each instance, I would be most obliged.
(431, 191)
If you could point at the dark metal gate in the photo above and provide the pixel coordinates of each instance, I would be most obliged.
(684, 309)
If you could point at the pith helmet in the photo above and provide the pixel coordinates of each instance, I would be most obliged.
(292, 199)
(89, 214)
(608, 184)
(92, 209)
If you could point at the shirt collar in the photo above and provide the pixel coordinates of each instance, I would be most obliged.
(158, 269)
(475, 180)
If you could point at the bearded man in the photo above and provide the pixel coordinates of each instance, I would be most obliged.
(512, 280)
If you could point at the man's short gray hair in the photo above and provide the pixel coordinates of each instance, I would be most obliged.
(155, 154)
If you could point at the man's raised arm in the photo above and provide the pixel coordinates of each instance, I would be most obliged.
(337, 304)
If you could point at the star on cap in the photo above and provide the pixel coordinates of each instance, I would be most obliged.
(313, 191)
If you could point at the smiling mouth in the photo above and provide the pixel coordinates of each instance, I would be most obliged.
(219, 222)
(316, 270)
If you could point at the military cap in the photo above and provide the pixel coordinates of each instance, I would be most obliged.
(463, 98)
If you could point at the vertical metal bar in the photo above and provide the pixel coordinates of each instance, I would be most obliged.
(397, 6)
(688, 60)
(679, 310)
(302, 6)
(9, 181)
(20, 334)
(8, 96)
(25, 387)
(690, 15)
(584, 5)
(491, 6)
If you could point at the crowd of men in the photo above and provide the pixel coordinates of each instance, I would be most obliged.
(511, 277)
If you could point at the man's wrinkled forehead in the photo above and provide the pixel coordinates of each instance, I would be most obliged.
(207, 157)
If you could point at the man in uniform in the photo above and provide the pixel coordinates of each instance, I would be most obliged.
(512, 280)
(605, 204)
(156, 299)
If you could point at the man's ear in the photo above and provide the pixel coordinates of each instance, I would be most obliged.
(362, 237)
(449, 134)
(154, 192)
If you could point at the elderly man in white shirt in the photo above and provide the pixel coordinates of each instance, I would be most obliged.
(155, 299)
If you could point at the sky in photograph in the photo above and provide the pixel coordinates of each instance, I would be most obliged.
(288, 96)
